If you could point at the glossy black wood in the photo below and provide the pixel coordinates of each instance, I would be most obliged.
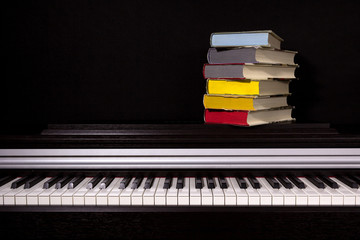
(249, 224)
(285, 135)
(172, 209)
(188, 222)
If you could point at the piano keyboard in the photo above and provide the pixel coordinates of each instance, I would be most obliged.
(180, 191)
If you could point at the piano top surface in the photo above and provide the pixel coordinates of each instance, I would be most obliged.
(282, 135)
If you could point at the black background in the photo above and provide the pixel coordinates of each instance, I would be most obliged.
(141, 61)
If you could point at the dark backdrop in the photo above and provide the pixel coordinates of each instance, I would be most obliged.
(141, 61)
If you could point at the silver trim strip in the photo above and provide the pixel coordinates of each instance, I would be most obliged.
(182, 152)
(178, 158)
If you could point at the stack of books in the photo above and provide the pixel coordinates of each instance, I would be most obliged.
(248, 78)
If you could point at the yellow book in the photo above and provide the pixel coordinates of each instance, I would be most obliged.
(250, 103)
(247, 87)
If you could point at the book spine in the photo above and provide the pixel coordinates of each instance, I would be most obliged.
(221, 64)
(226, 117)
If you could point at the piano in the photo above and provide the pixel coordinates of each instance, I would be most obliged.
(152, 173)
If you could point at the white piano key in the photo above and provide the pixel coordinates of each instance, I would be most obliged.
(44, 196)
(55, 196)
(137, 194)
(337, 198)
(184, 193)
(277, 197)
(351, 195)
(76, 196)
(172, 194)
(5, 189)
(149, 194)
(102, 198)
(229, 193)
(218, 194)
(90, 196)
(265, 196)
(33, 198)
(289, 196)
(324, 196)
(301, 198)
(254, 196)
(312, 196)
(206, 195)
(195, 194)
(160, 193)
(29, 196)
(114, 195)
(9, 197)
(242, 197)
(125, 195)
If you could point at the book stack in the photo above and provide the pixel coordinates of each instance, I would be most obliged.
(248, 78)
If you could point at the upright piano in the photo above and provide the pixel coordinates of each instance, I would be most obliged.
(176, 180)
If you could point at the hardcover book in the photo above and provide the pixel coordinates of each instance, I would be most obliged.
(250, 55)
(247, 118)
(249, 103)
(265, 38)
(247, 87)
(248, 71)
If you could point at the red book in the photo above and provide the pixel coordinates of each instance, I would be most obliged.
(247, 118)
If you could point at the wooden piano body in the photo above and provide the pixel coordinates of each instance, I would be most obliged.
(182, 150)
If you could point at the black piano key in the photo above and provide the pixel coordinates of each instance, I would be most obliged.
(223, 183)
(32, 182)
(49, 183)
(6, 179)
(167, 183)
(273, 182)
(75, 181)
(297, 182)
(136, 183)
(285, 182)
(198, 183)
(20, 182)
(210, 182)
(242, 183)
(348, 181)
(107, 181)
(94, 182)
(180, 183)
(254, 182)
(125, 182)
(355, 178)
(317, 182)
(149, 182)
(328, 181)
(63, 182)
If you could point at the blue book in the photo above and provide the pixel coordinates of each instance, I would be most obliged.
(266, 38)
